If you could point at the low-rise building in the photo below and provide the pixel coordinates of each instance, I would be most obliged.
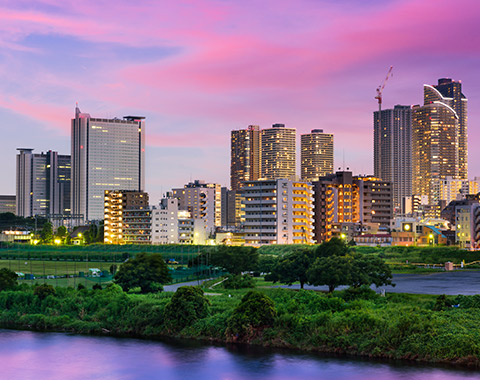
(127, 217)
(278, 212)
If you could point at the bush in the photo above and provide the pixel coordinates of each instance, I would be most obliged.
(187, 305)
(239, 282)
(255, 312)
(363, 292)
(442, 303)
(44, 290)
(8, 279)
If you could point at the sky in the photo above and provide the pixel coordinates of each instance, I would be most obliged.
(198, 69)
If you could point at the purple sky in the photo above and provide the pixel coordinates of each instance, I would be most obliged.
(198, 69)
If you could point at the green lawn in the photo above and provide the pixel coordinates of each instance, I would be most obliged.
(51, 268)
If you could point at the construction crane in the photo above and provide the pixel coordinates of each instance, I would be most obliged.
(378, 163)
(381, 87)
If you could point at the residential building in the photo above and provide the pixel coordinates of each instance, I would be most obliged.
(450, 189)
(278, 212)
(165, 222)
(107, 154)
(42, 183)
(450, 93)
(245, 156)
(316, 154)
(203, 201)
(8, 204)
(232, 210)
(376, 200)
(278, 152)
(342, 199)
(392, 150)
(468, 226)
(127, 217)
(435, 144)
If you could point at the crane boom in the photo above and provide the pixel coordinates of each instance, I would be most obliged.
(381, 87)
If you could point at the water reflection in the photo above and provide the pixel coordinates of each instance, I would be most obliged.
(28, 355)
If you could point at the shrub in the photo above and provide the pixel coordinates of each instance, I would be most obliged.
(43, 291)
(255, 312)
(362, 292)
(239, 282)
(187, 305)
(8, 279)
(442, 303)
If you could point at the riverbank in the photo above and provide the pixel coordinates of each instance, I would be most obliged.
(400, 326)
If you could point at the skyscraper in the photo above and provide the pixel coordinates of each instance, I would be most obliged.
(316, 154)
(245, 156)
(450, 93)
(42, 183)
(107, 154)
(435, 146)
(278, 152)
(392, 150)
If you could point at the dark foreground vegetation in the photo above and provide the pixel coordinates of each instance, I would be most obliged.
(354, 321)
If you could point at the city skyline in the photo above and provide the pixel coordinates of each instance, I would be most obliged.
(199, 71)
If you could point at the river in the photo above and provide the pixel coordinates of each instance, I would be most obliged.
(31, 355)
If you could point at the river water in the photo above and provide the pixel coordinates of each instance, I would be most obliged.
(31, 355)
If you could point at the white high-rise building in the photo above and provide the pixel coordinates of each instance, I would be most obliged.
(278, 212)
(107, 154)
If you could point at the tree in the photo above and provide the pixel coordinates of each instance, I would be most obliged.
(187, 305)
(255, 312)
(292, 268)
(46, 233)
(266, 263)
(62, 232)
(233, 259)
(8, 279)
(145, 271)
(332, 247)
(368, 270)
(332, 271)
(44, 290)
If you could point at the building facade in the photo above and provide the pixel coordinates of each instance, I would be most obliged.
(127, 217)
(245, 156)
(42, 183)
(340, 199)
(316, 155)
(392, 150)
(435, 144)
(450, 93)
(203, 201)
(8, 203)
(278, 212)
(107, 154)
(278, 152)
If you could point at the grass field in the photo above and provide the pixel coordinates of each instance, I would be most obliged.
(52, 268)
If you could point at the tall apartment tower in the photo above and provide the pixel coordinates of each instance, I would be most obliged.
(316, 155)
(278, 152)
(392, 150)
(450, 93)
(245, 156)
(42, 183)
(435, 144)
(107, 154)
